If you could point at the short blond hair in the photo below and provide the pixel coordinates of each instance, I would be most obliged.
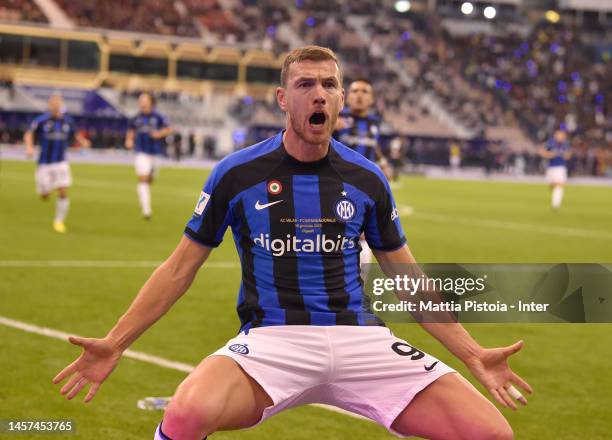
(307, 53)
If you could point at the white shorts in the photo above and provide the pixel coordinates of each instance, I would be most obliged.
(364, 370)
(50, 176)
(145, 164)
(556, 174)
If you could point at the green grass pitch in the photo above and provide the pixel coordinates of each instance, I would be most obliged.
(453, 221)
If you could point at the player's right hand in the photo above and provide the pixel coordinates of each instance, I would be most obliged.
(93, 366)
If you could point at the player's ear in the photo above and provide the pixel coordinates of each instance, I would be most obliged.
(341, 98)
(280, 98)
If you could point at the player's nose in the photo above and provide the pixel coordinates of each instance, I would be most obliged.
(319, 94)
(319, 100)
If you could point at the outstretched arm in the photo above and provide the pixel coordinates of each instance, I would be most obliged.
(28, 140)
(383, 163)
(489, 366)
(167, 284)
(546, 154)
(161, 133)
(82, 140)
(129, 139)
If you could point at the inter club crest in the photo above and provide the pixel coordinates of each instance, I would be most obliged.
(345, 209)
(239, 348)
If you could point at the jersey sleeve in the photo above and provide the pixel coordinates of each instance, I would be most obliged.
(383, 230)
(375, 129)
(163, 121)
(73, 130)
(132, 123)
(34, 125)
(212, 214)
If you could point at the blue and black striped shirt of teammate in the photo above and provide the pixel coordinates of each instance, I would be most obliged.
(143, 125)
(361, 133)
(54, 134)
(296, 226)
(560, 149)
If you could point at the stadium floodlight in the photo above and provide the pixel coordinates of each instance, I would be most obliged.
(467, 8)
(490, 12)
(552, 16)
(402, 6)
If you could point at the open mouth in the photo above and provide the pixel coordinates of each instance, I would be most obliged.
(317, 118)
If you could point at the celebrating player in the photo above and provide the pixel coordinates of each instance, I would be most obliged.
(54, 131)
(297, 204)
(557, 152)
(359, 129)
(145, 135)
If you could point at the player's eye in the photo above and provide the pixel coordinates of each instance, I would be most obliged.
(305, 84)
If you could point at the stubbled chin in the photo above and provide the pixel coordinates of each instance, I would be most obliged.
(317, 134)
(312, 134)
(317, 128)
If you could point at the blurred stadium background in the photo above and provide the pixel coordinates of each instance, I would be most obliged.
(490, 79)
(495, 87)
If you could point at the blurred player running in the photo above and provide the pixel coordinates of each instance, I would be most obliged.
(145, 135)
(557, 152)
(297, 203)
(53, 131)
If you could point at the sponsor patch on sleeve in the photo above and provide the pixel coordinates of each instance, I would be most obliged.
(202, 202)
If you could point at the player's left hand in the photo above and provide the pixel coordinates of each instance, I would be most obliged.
(383, 163)
(97, 361)
(157, 134)
(491, 368)
(388, 171)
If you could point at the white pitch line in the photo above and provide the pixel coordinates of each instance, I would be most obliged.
(499, 224)
(138, 355)
(114, 264)
(63, 336)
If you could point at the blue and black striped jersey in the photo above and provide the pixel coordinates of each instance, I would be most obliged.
(143, 124)
(296, 226)
(360, 133)
(559, 149)
(53, 135)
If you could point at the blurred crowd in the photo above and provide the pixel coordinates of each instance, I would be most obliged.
(540, 81)
(420, 46)
(255, 22)
(21, 10)
(151, 16)
(548, 80)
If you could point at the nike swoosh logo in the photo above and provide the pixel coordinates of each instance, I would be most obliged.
(431, 366)
(259, 206)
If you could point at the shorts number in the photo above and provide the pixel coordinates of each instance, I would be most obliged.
(414, 353)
